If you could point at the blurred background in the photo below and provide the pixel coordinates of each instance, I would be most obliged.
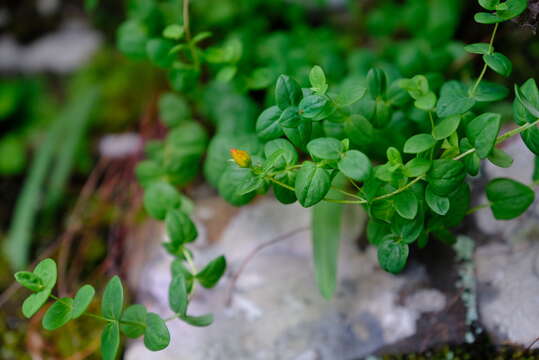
(81, 101)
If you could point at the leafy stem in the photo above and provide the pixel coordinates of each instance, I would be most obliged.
(485, 66)
(502, 138)
(344, 192)
(92, 315)
(189, 259)
(499, 139)
(336, 201)
(188, 37)
(193, 268)
(399, 190)
(477, 208)
(173, 317)
(516, 131)
(286, 186)
(358, 201)
(490, 45)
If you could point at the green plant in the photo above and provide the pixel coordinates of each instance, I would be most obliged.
(24, 98)
(420, 189)
(397, 143)
(70, 124)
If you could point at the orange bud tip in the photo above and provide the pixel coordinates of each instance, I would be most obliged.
(241, 157)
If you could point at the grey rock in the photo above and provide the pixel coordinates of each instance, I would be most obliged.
(426, 300)
(507, 266)
(47, 7)
(521, 170)
(276, 312)
(120, 145)
(4, 16)
(61, 52)
(508, 287)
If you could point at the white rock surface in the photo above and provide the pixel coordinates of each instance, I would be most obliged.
(276, 311)
(120, 145)
(508, 287)
(61, 52)
(521, 170)
(507, 268)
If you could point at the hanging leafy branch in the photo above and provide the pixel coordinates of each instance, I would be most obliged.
(407, 201)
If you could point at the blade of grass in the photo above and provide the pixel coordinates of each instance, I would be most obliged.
(79, 114)
(17, 244)
(20, 231)
(326, 237)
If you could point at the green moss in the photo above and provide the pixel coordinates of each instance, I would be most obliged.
(482, 348)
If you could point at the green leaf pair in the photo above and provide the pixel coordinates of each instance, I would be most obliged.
(454, 100)
(312, 184)
(526, 110)
(66, 309)
(445, 176)
(181, 285)
(504, 11)
(41, 281)
(318, 80)
(180, 230)
(159, 198)
(135, 321)
(482, 133)
(418, 88)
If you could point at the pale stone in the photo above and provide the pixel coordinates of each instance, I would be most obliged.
(507, 266)
(521, 171)
(276, 311)
(508, 288)
(62, 51)
(120, 145)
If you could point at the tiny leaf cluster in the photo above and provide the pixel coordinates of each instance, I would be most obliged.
(133, 321)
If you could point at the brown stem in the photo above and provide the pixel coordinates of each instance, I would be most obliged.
(74, 225)
(253, 253)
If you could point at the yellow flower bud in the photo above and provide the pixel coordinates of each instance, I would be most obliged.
(241, 157)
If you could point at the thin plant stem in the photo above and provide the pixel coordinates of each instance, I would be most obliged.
(92, 315)
(187, 31)
(477, 208)
(193, 267)
(336, 201)
(516, 131)
(464, 154)
(483, 71)
(97, 317)
(254, 252)
(490, 45)
(485, 66)
(286, 186)
(359, 201)
(190, 261)
(354, 184)
(173, 317)
(398, 191)
(344, 192)
(502, 138)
